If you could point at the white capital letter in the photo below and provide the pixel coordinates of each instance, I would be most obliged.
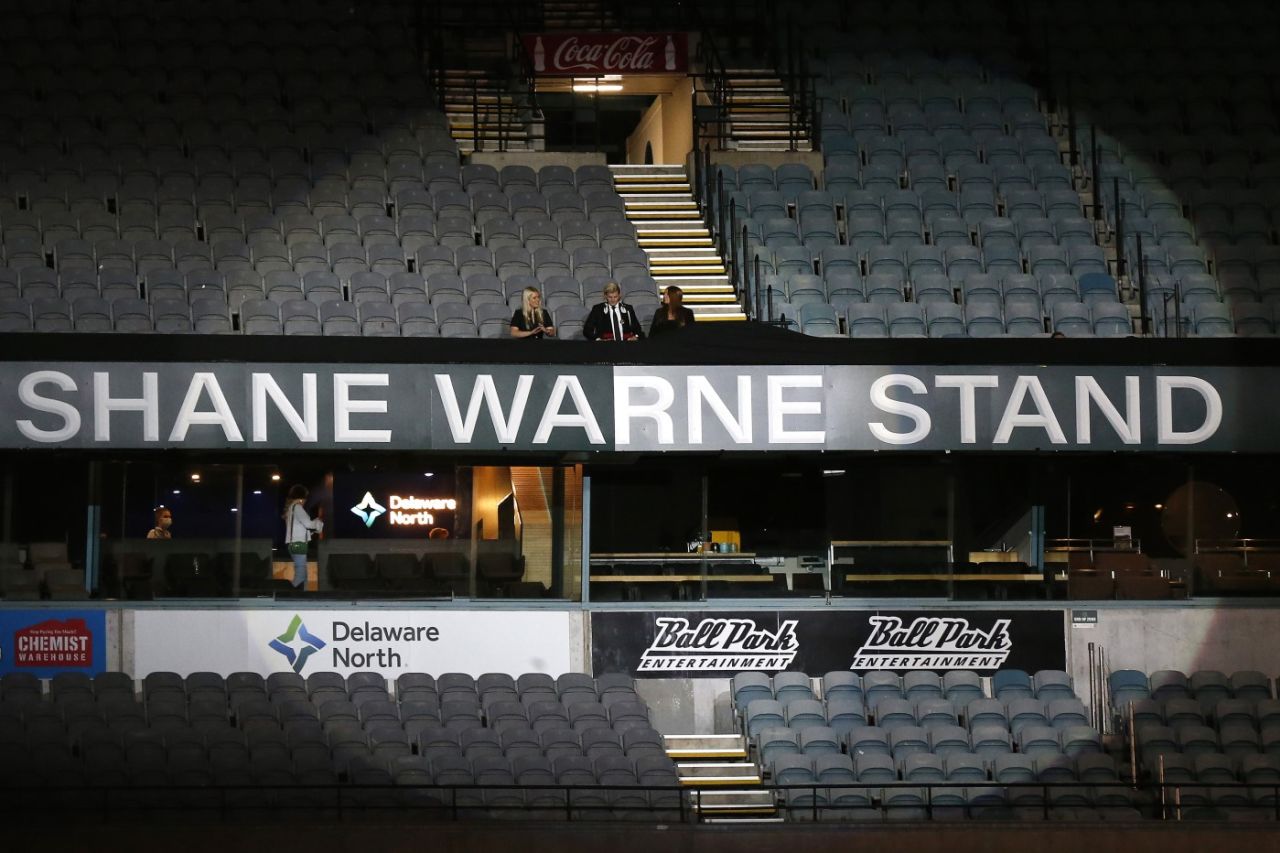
(1165, 386)
(303, 425)
(779, 409)
(220, 416)
(484, 391)
(881, 401)
(104, 404)
(700, 391)
(344, 407)
(582, 416)
(968, 416)
(1128, 427)
(624, 410)
(1043, 417)
(70, 414)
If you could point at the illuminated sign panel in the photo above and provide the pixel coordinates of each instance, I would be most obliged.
(634, 408)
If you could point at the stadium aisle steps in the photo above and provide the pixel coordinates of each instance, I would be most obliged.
(726, 783)
(659, 202)
(760, 112)
(481, 107)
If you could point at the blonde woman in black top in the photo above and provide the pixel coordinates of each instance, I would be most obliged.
(532, 320)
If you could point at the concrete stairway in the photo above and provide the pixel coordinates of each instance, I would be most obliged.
(581, 15)
(659, 202)
(724, 785)
(759, 112)
(484, 112)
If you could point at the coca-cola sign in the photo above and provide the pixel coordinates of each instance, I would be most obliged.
(716, 644)
(591, 54)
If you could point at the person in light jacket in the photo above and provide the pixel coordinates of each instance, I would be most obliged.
(298, 527)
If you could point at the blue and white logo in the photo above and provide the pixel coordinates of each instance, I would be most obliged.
(368, 509)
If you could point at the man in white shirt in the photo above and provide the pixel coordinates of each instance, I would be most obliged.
(613, 319)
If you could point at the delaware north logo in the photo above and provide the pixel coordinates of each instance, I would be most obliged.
(368, 510)
(297, 644)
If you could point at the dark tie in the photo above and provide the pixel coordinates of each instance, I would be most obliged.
(616, 310)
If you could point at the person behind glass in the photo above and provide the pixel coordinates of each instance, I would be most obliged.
(671, 316)
(164, 520)
(613, 319)
(532, 320)
(298, 528)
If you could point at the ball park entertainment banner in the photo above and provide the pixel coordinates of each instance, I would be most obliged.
(604, 408)
(685, 644)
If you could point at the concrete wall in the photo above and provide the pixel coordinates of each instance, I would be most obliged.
(537, 159)
(667, 126)
(1226, 638)
(813, 159)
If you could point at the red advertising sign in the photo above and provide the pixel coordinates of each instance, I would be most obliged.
(54, 643)
(590, 54)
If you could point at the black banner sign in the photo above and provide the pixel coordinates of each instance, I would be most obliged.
(715, 644)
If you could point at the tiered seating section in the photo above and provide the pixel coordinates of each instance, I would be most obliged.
(878, 731)
(947, 208)
(1208, 729)
(1191, 141)
(188, 169)
(285, 730)
(47, 572)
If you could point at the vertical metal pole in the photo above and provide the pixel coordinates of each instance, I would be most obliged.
(732, 254)
(1191, 522)
(769, 293)
(93, 526)
(239, 532)
(1121, 266)
(1071, 124)
(951, 535)
(557, 528)
(1142, 289)
(585, 592)
(755, 263)
(706, 531)
(720, 212)
(1095, 183)
(746, 273)
(1093, 695)
(475, 116)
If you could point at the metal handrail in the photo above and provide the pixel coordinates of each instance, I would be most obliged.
(451, 801)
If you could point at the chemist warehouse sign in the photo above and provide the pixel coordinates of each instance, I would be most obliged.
(629, 408)
(46, 642)
(388, 641)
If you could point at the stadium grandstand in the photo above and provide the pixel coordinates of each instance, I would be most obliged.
(928, 499)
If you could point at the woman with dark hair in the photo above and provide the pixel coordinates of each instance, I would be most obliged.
(298, 527)
(672, 315)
